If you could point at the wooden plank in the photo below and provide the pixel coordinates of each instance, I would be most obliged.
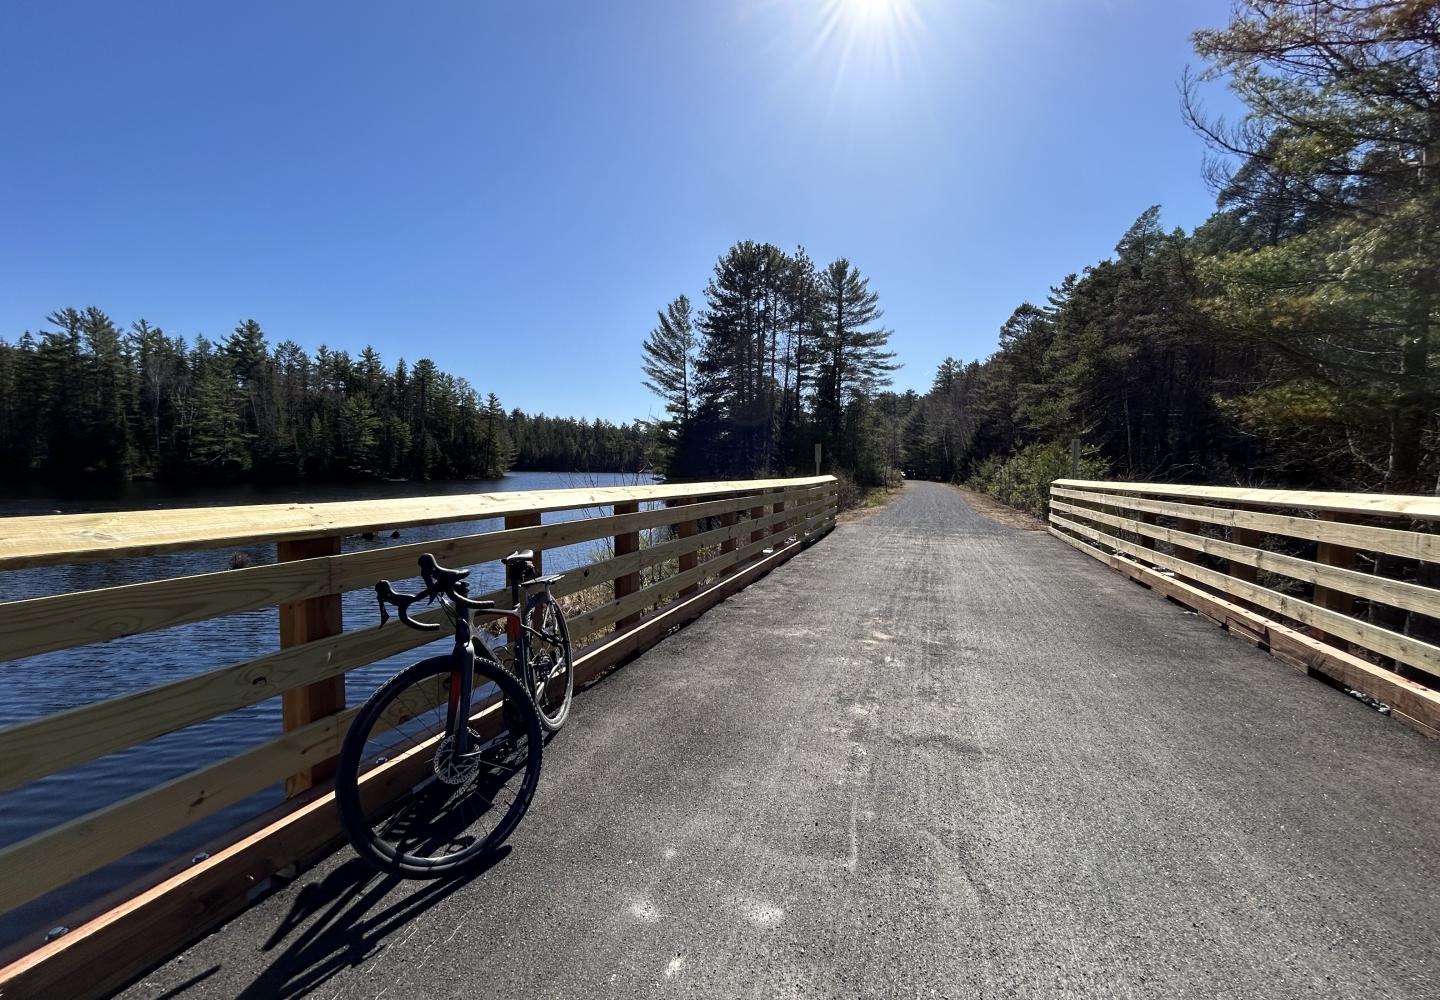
(52, 539)
(1400, 647)
(1411, 703)
(43, 624)
(1188, 527)
(43, 746)
(1246, 538)
(1146, 540)
(756, 513)
(688, 561)
(1395, 541)
(615, 649)
(1393, 504)
(641, 599)
(1334, 599)
(302, 622)
(516, 522)
(604, 572)
(727, 520)
(49, 859)
(1335, 578)
(109, 950)
(625, 543)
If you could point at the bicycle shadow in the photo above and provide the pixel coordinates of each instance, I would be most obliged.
(341, 931)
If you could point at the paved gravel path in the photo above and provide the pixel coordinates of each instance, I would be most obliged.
(930, 757)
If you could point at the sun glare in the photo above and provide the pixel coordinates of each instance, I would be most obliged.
(873, 35)
(869, 13)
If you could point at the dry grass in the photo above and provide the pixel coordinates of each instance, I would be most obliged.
(993, 510)
(872, 501)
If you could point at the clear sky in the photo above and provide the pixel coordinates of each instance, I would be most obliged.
(513, 188)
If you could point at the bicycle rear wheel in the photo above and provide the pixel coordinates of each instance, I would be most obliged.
(410, 806)
(550, 674)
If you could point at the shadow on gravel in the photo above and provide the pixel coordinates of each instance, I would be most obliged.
(341, 931)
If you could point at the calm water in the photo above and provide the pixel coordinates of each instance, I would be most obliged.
(53, 682)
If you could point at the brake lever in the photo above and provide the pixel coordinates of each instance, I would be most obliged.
(427, 573)
(381, 589)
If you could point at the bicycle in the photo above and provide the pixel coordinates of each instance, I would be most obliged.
(458, 737)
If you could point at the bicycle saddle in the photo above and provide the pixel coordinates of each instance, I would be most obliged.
(521, 556)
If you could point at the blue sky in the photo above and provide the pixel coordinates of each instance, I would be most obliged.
(513, 189)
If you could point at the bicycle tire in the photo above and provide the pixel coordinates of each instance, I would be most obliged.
(553, 697)
(418, 726)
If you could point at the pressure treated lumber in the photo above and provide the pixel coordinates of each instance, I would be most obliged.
(1420, 507)
(1400, 647)
(43, 624)
(1331, 577)
(1394, 541)
(52, 539)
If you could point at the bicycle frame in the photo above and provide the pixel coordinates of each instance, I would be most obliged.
(457, 715)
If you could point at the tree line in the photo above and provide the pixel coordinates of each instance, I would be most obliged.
(83, 398)
(1290, 338)
(781, 355)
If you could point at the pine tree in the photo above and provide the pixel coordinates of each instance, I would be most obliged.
(499, 452)
(1340, 147)
(851, 358)
(668, 361)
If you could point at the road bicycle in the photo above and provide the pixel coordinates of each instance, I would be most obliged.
(442, 761)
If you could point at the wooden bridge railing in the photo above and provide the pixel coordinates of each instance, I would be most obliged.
(757, 525)
(1341, 584)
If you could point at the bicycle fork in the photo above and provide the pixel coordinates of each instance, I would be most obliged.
(462, 684)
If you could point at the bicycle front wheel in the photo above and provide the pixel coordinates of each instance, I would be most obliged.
(411, 806)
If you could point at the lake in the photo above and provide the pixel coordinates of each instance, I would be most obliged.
(53, 682)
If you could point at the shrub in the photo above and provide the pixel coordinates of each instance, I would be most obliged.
(1023, 479)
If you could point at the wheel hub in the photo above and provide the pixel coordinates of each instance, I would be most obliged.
(452, 770)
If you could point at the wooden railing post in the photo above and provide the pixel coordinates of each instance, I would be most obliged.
(527, 521)
(1248, 537)
(756, 513)
(625, 543)
(1146, 517)
(688, 560)
(301, 622)
(1181, 552)
(728, 545)
(1334, 600)
(779, 508)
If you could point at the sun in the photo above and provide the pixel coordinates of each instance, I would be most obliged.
(870, 34)
(870, 13)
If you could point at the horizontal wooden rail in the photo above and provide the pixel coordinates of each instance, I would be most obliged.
(1121, 524)
(1419, 507)
(44, 624)
(1396, 593)
(1392, 541)
(779, 510)
(53, 539)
